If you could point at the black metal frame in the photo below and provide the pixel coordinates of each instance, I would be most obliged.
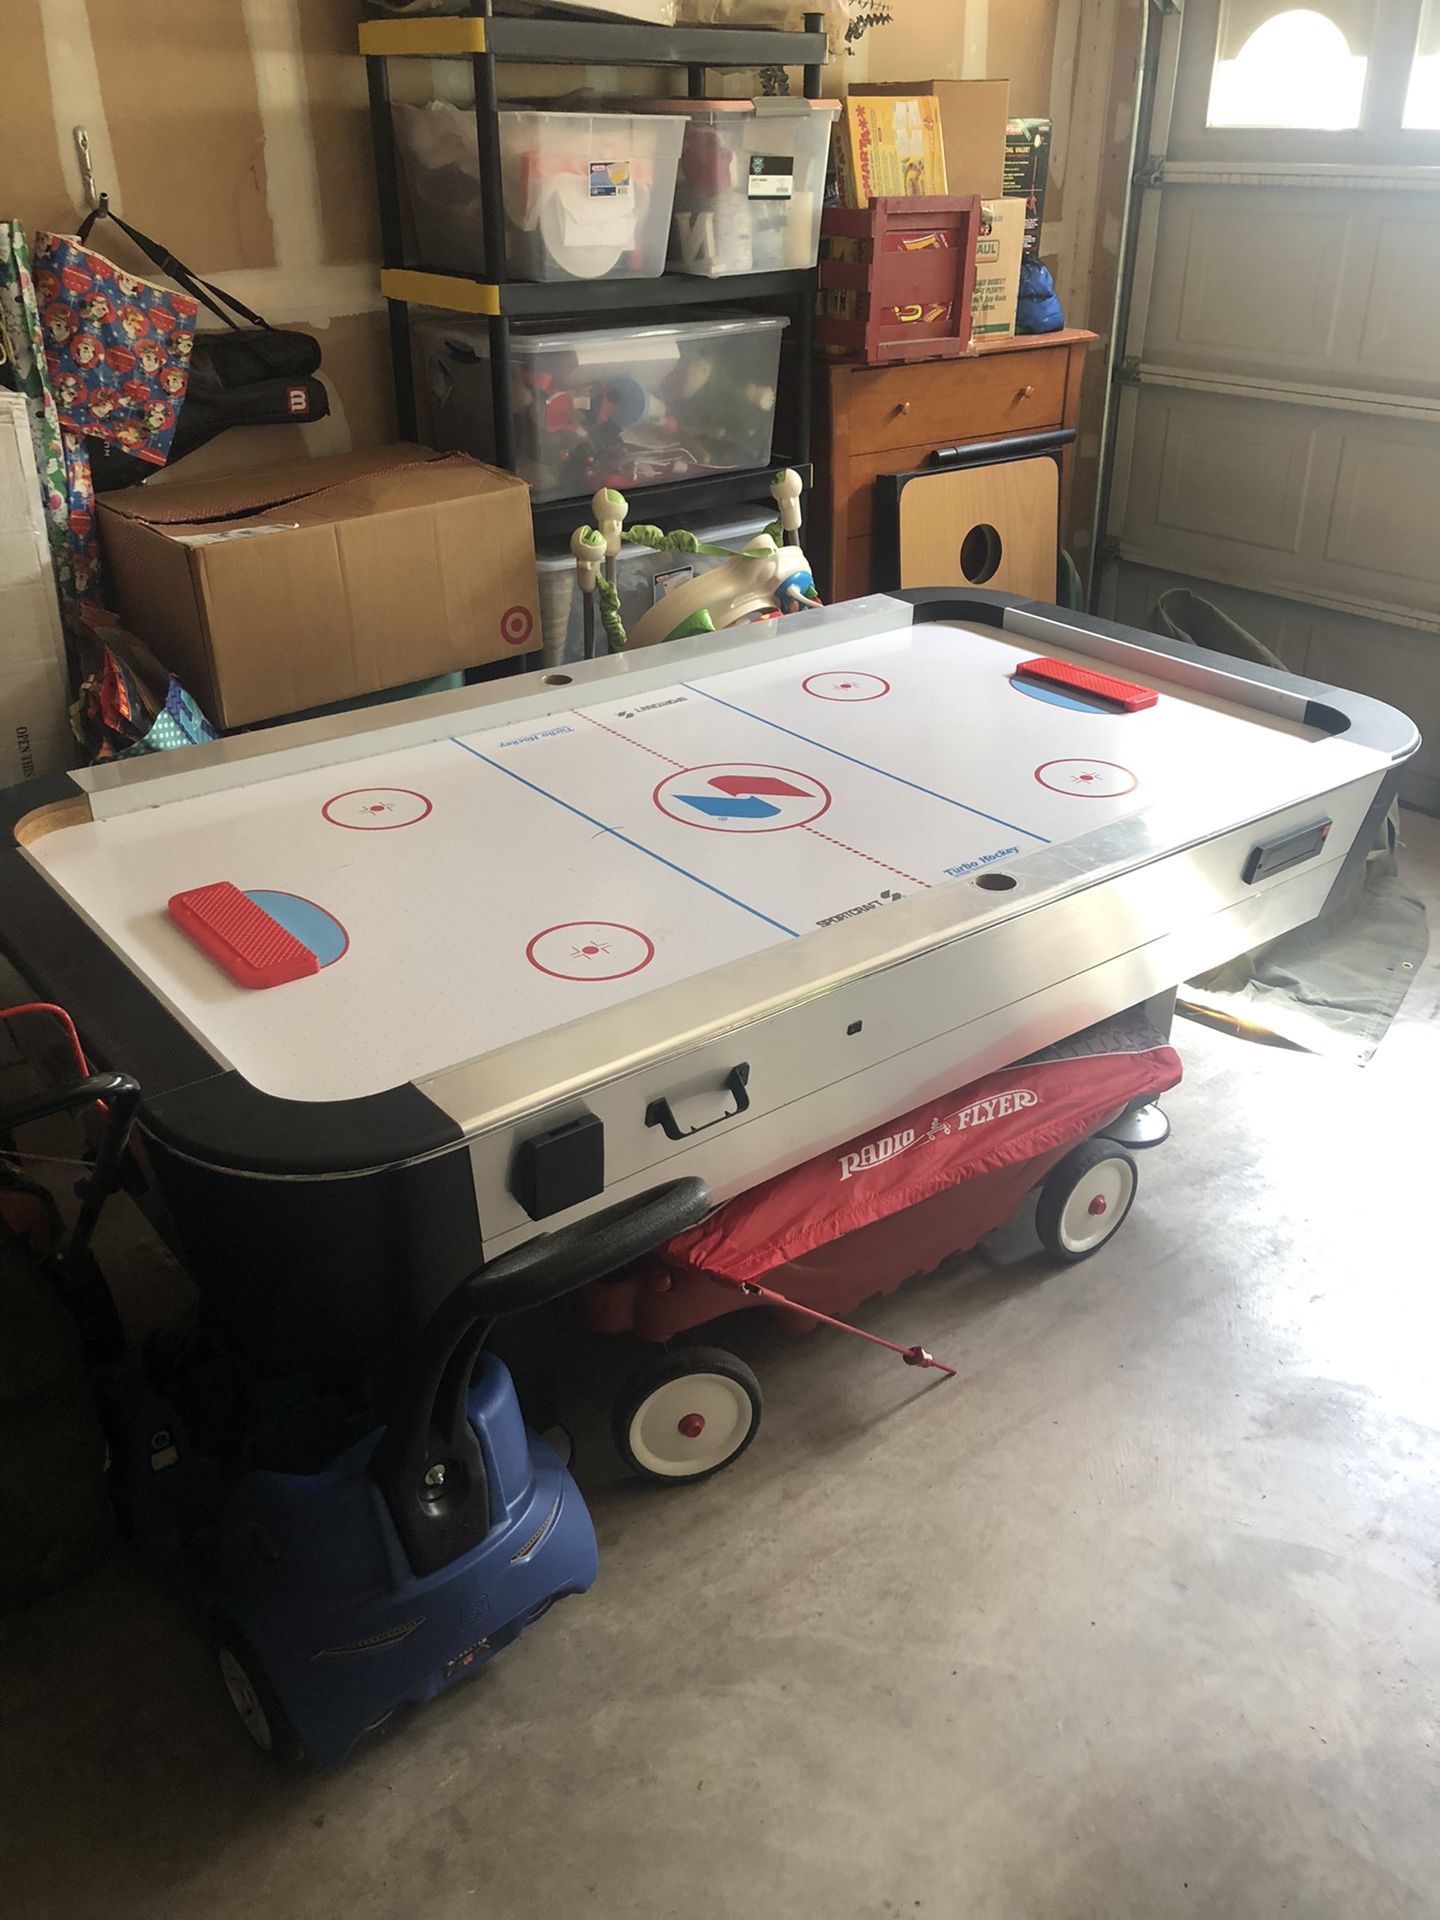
(601, 43)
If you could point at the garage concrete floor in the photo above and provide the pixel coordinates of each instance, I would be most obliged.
(1138, 1617)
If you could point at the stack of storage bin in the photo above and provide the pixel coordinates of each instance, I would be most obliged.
(591, 196)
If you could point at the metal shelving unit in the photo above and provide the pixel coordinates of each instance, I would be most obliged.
(485, 39)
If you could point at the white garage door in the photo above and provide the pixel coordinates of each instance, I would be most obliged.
(1277, 441)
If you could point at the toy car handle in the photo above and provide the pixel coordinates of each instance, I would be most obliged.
(120, 1096)
(428, 1463)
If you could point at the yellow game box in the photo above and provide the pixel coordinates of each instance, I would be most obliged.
(888, 145)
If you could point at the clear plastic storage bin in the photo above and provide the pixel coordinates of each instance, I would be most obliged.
(609, 406)
(641, 577)
(587, 195)
(751, 184)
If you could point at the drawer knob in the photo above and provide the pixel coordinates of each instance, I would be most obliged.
(902, 406)
(1024, 393)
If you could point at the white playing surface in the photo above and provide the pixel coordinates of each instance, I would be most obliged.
(511, 880)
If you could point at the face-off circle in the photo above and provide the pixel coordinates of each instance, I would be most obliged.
(376, 809)
(517, 623)
(1087, 779)
(590, 950)
(846, 686)
(740, 796)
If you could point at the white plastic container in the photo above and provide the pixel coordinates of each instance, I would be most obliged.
(641, 577)
(751, 184)
(587, 195)
(608, 406)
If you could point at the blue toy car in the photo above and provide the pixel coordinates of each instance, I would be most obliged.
(385, 1571)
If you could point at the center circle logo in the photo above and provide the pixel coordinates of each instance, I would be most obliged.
(741, 796)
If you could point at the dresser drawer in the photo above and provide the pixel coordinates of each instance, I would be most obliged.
(943, 401)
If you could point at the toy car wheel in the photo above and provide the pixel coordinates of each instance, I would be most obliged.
(1084, 1199)
(255, 1701)
(688, 1415)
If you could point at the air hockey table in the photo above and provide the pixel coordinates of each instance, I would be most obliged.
(546, 943)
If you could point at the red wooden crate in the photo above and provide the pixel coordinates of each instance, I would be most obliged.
(905, 293)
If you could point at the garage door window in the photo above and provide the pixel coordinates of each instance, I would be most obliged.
(1422, 97)
(1295, 67)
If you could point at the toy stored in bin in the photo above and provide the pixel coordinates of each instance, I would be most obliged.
(899, 278)
(587, 195)
(607, 406)
(760, 582)
(751, 184)
(643, 578)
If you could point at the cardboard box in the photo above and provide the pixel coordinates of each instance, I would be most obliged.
(973, 118)
(35, 736)
(997, 268)
(290, 587)
(1027, 168)
(888, 144)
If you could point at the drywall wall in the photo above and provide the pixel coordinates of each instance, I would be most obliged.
(968, 40)
(237, 135)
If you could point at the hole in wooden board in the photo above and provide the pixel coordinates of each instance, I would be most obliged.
(556, 679)
(996, 882)
(980, 554)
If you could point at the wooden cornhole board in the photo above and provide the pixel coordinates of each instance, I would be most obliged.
(992, 526)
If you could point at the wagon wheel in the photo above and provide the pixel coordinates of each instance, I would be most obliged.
(688, 1415)
(1084, 1199)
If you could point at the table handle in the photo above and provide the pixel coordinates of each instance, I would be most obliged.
(660, 1113)
(1025, 393)
(902, 406)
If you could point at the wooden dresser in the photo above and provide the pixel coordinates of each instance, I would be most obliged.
(876, 420)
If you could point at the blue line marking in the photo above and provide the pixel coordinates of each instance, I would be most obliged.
(884, 772)
(615, 833)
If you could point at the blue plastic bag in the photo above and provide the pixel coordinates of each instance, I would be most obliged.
(1038, 308)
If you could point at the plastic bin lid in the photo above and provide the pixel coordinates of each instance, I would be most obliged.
(732, 531)
(475, 334)
(772, 107)
(647, 110)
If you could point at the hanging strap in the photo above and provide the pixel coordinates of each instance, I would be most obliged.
(203, 291)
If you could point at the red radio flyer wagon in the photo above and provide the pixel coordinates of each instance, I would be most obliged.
(819, 1240)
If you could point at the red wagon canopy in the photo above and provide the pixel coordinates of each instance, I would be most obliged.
(1008, 1119)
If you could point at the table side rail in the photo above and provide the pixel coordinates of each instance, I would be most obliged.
(824, 1117)
(1152, 927)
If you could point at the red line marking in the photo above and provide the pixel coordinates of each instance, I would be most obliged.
(874, 861)
(679, 765)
